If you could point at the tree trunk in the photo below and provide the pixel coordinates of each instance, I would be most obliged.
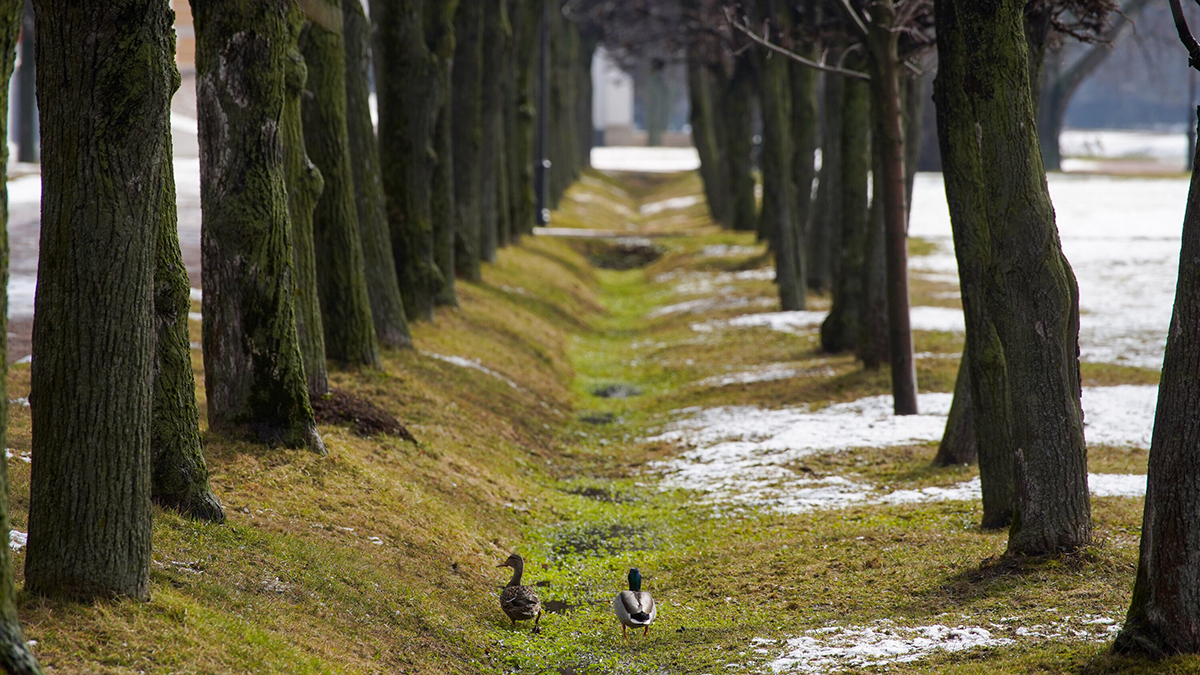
(657, 108)
(341, 270)
(710, 148)
(467, 130)
(304, 186)
(872, 348)
(736, 109)
(1164, 615)
(27, 111)
(958, 444)
(841, 329)
(913, 91)
(585, 130)
(563, 149)
(254, 373)
(178, 473)
(779, 224)
(883, 47)
(526, 18)
(824, 236)
(491, 128)
(15, 657)
(93, 342)
(507, 130)
(440, 36)
(407, 86)
(806, 118)
(1019, 293)
(387, 307)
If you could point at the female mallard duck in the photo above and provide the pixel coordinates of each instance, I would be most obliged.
(634, 608)
(519, 602)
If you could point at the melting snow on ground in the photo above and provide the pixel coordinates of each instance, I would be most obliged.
(836, 647)
(709, 304)
(745, 456)
(770, 373)
(672, 204)
(17, 539)
(474, 365)
(647, 160)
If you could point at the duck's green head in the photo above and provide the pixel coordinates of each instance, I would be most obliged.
(635, 580)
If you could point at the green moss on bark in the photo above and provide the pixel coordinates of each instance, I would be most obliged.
(254, 372)
(467, 130)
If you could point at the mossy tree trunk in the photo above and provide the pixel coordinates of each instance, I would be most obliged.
(806, 119)
(1164, 615)
(93, 342)
(178, 472)
(383, 286)
(779, 217)
(958, 444)
(467, 130)
(304, 186)
(439, 27)
(737, 116)
(526, 16)
(407, 86)
(254, 372)
(508, 129)
(564, 148)
(15, 657)
(1019, 293)
(824, 235)
(711, 148)
(494, 27)
(341, 270)
(585, 130)
(841, 329)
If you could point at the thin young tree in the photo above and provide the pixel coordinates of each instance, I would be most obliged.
(254, 372)
(15, 656)
(1019, 294)
(1164, 614)
(93, 342)
(387, 306)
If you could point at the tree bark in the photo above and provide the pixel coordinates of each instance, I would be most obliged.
(1164, 615)
(27, 112)
(736, 109)
(491, 127)
(710, 147)
(883, 47)
(408, 93)
(841, 329)
(958, 444)
(526, 18)
(806, 118)
(341, 270)
(1019, 293)
(178, 472)
(440, 36)
(872, 348)
(467, 130)
(93, 342)
(304, 187)
(824, 236)
(383, 286)
(15, 657)
(563, 149)
(779, 223)
(254, 373)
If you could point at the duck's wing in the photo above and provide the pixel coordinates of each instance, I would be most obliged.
(520, 602)
(634, 608)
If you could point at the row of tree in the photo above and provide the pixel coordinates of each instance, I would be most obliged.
(1017, 402)
(321, 238)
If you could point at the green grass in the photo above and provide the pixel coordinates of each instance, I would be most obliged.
(296, 583)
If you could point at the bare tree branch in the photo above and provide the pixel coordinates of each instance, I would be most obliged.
(824, 67)
(1185, 34)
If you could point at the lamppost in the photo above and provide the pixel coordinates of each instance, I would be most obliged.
(541, 163)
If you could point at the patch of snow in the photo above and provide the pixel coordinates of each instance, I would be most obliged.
(195, 316)
(835, 647)
(25, 359)
(709, 304)
(22, 401)
(769, 373)
(647, 160)
(17, 539)
(786, 322)
(24, 457)
(188, 125)
(1114, 144)
(673, 204)
(375, 540)
(729, 251)
(474, 365)
(708, 283)
(195, 294)
(746, 455)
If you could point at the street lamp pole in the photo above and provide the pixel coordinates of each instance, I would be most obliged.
(541, 165)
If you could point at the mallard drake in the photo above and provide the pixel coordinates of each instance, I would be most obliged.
(634, 608)
(519, 602)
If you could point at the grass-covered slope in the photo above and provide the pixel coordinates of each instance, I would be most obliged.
(382, 556)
